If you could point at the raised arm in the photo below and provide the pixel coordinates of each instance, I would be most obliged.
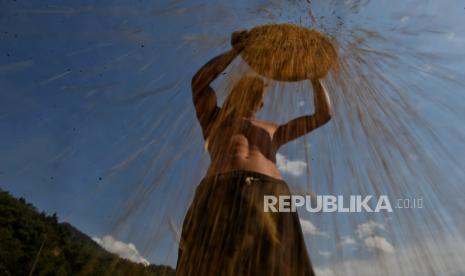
(203, 95)
(302, 125)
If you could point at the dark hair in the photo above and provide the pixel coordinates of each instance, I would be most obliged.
(242, 100)
(245, 95)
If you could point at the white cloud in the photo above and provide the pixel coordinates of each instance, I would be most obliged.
(347, 240)
(325, 254)
(324, 271)
(427, 68)
(366, 231)
(309, 228)
(451, 35)
(405, 18)
(285, 165)
(438, 256)
(124, 250)
(378, 243)
(368, 228)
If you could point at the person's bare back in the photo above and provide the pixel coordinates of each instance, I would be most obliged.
(244, 144)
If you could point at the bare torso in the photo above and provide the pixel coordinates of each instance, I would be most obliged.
(244, 144)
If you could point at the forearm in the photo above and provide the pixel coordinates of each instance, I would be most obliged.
(212, 69)
(303, 125)
(322, 103)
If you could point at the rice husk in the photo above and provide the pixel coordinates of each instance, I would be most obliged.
(288, 52)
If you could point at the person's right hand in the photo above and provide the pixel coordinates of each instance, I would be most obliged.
(238, 39)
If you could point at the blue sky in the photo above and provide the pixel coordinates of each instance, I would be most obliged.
(97, 123)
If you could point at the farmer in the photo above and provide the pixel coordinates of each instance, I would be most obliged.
(226, 231)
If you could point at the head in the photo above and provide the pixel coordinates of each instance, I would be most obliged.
(246, 96)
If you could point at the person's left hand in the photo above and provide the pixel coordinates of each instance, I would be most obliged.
(238, 39)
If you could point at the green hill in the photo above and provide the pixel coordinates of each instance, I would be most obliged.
(64, 250)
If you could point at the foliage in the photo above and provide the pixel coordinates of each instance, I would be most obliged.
(65, 250)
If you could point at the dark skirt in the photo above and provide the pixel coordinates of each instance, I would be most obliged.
(227, 232)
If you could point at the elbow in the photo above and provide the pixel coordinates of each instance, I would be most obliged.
(198, 83)
(196, 87)
(195, 82)
(329, 115)
(325, 117)
(198, 80)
